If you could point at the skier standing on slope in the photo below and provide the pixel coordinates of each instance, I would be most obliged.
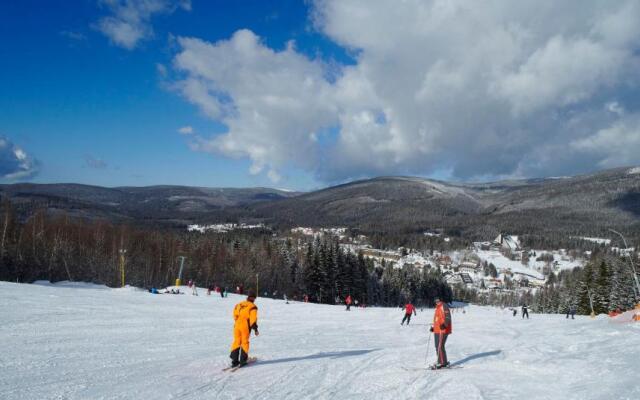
(441, 330)
(525, 311)
(408, 310)
(245, 315)
(347, 301)
(571, 311)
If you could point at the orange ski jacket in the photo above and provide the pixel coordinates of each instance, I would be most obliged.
(442, 317)
(245, 314)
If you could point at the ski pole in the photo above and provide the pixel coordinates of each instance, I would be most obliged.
(426, 358)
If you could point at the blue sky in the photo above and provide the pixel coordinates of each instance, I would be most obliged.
(302, 94)
(69, 96)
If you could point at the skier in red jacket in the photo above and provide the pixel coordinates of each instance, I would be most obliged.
(441, 329)
(347, 301)
(408, 310)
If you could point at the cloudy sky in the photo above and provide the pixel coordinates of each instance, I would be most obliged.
(303, 94)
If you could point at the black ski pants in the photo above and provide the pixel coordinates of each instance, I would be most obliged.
(407, 317)
(440, 340)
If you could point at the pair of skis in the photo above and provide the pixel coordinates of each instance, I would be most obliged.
(432, 368)
(250, 361)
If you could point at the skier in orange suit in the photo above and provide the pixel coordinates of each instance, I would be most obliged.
(245, 315)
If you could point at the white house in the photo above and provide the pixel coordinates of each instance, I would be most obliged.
(507, 242)
(468, 267)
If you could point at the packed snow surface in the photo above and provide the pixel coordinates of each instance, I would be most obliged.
(62, 342)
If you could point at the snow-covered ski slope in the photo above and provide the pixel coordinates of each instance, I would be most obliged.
(89, 342)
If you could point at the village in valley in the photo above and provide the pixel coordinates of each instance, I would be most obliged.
(222, 228)
(502, 265)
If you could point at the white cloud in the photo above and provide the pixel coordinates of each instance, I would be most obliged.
(563, 72)
(186, 130)
(130, 19)
(615, 108)
(476, 88)
(162, 71)
(274, 176)
(95, 163)
(271, 101)
(615, 145)
(15, 163)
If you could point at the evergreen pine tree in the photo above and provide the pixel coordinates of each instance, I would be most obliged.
(622, 294)
(585, 290)
(602, 289)
(312, 273)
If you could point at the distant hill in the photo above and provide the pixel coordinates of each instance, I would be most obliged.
(154, 204)
(585, 204)
(581, 204)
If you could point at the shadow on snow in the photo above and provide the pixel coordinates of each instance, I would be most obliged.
(476, 356)
(332, 354)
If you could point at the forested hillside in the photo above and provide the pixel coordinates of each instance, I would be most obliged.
(61, 248)
(553, 208)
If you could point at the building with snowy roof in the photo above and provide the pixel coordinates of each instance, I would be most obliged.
(507, 242)
(468, 267)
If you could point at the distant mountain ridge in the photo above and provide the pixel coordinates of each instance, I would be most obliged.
(164, 203)
(580, 204)
(586, 203)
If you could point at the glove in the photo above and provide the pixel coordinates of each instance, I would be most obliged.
(431, 329)
(257, 333)
(443, 326)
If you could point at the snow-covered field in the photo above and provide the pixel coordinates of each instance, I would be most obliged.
(89, 342)
(533, 268)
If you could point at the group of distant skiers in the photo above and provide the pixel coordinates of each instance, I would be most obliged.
(525, 311)
(348, 301)
(213, 288)
(571, 311)
(154, 290)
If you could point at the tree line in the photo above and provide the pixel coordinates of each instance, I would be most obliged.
(332, 273)
(57, 247)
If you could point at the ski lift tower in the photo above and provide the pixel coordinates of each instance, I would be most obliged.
(123, 253)
(179, 279)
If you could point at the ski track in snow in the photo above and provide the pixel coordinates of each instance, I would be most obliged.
(59, 342)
